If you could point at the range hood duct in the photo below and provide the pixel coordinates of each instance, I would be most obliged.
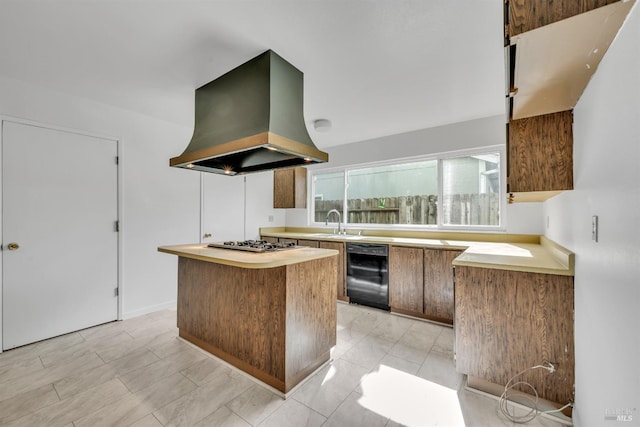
(250, 120)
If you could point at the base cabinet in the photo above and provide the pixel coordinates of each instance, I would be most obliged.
(421, 282)
(420, 279)
(308, 243)
(406, 281)
(438, 284)
(341, 291)
(508, 321)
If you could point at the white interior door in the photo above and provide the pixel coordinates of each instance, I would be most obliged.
(222, 208)
(59, 199)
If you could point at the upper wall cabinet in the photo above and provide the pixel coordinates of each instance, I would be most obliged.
(554, 49)
(527, 15)
(539, 156)
(290, 188)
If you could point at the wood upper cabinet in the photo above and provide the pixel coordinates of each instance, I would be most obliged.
(526, 15)
(341, 290)
(290, 188)
(507, 321)
(548, 69)
(438, 284)
(406, 280)
(540, 153)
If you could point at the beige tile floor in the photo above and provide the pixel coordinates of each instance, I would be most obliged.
(386, 371)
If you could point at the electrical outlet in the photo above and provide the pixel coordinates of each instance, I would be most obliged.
(594, 228)
(270, 218)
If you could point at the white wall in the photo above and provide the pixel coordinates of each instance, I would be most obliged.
(523, 218)
(607, 281)
(235, 207)
(160, 204)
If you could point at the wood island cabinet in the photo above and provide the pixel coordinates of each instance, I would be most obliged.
(438, 284)
(290, 188)
(341, 287)
(271, 315)
(507, 321)
(406, 280)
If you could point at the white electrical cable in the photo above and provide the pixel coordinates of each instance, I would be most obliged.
(533, 412)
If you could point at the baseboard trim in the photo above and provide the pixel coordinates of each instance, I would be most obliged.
(149, 309)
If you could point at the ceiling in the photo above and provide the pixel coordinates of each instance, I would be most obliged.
(374, 68)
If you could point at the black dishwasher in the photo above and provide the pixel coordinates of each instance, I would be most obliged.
(368, 274)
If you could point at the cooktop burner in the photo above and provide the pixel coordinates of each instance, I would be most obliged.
(253, 245)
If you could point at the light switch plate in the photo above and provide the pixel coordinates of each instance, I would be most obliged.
(594, 228)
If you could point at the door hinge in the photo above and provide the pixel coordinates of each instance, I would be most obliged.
(117, 160)
(116, 226)
(116, 292)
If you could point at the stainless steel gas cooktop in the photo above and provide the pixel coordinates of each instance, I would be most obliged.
(253, 246)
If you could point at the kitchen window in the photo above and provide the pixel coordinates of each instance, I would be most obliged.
(450, 191)
(471, 190)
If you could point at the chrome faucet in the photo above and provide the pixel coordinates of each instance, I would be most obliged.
(326, 220)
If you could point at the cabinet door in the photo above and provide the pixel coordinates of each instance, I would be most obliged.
(508, 320)
(406, 281)
(309, 243)
(540, 153)
(269, 239)
(341, 293)
(526, 15)
(438, 284)
(290, 188)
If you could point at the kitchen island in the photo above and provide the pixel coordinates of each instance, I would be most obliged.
(271, 314)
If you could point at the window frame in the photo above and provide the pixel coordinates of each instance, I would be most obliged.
(439, 157)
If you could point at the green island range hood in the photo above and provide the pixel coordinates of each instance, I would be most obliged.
(250, 120)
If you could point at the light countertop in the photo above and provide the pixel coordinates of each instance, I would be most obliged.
(524, 257)
(527, 253)
(202, 252)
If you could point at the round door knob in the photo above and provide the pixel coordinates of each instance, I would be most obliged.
(206, 235)
(13, 246)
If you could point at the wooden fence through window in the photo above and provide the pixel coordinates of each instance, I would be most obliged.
(463, 209)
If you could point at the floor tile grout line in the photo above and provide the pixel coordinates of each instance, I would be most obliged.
(53, 385)
(238, 415)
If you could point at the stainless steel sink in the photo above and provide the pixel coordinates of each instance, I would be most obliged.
(336, 236)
